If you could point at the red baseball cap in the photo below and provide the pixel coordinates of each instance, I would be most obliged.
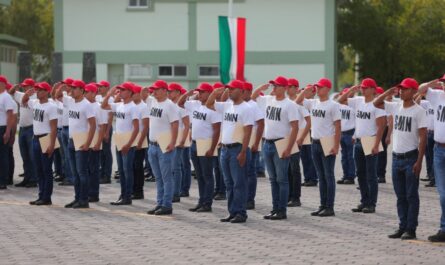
(279, 81)
(43, 86)
(442, 79)
(8, 86)
(205, 87)
(137, 89)
(344, 91)
(261, 94)
(68, 81)
(174, 86)
(159, 84)
(293, 82)
(408, 83)
(248, 86)
(218, 85)
(368, 83)
(78, 83)
(126, 86)
(324, 82)
(28, 82)
(3, 79)
(103, 83)
(91, 87)
(235, 84)
(183, 91)
(379, 90)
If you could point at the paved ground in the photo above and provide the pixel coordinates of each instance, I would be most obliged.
(126, 235)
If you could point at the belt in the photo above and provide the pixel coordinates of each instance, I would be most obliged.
(349, 131)
(153, 143)
(66, 127)
(271, 141)
(26, 127)
(231, 145)
(440, 144)
(407, 155)
(40, 136)
(316, 141)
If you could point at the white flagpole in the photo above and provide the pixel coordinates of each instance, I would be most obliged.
(230, 13)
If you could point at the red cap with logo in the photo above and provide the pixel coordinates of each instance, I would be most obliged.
(43, 86)
(379, 90)
(293, 82)
(248, 86)
(323, 82)
(218, 85)
(368, 83)
(205, 87)
(91, 87)
(68, 81)
(28, 82)
(78, 83)
(159, 84)
(3, 79)
(279, 81)
(126, 86)
(174, 86)
(408, 83)
(235, 84)
(103, 83)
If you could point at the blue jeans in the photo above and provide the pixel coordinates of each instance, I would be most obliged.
(277, 168)
(79, 167)
(235, 178)
(382, 159)
(366, 175)
(294, 177)
(186, 171)
(58, 163)
(177, 171)
(251, 177)
(347, 155)
(324, 165)
(125, 164)
(406, 187)
(220, 186)
(439, 172)
(4, 161)
(259, 163)
(308, 164)
(429, 155)
(26, 152)
(138, 183)
(44, 171)
(204, 174)
(94, 177)
(161, 164)
(106, 158)
(67, 166)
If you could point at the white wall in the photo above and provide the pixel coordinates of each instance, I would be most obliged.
(101, 72)
(284, 25)
(11, 71)
(88, 24)
(72, 70)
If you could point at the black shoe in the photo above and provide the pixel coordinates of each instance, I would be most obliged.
(250, 205)
(105, 181)
(22, 174)
(194, 209)
(66, 183)
(369, 209)
(279, 216)
(238, 219)
(310, 184)
(121, 202)
(272, 213)
(184, 194)
(358, 209)
(164, 211)
(31, 184)
(21, 184)
(327, 212)
(397, 234)
(430, 185)
(382, 180)
(439, 237)
(346, 181)
(176, 199)
(81, 205)
(320, 209)
(42, 202)
(151, 179)
(152, 211)
(3, 187)
(137, 196)
(34, 202)
(260, 175)
(227, 219)
(408, 235)
(70, 205)
(220, 197)
(193, 173)
(425, 179)
(204, 209)
(59, 179)
(294, 203)
(93, 199)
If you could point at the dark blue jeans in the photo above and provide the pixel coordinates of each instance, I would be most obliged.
(125, 164)
(204, 174)
(161, 164)
(294, 177)
(277, 168)
(429, 155)
(367, 175)
(44, 172)
(67, 165)
(251, 177)
(186, 171)
(106, 158)
(4, 161)
(94, 177)
(79, 167)
(308, 164)
(138, 184)
(220, 185)
(235, 178)
(347, 155)
(26, 152)
(439, 172)
(259, 163)
(177, 171)
(58, 163)
(406, 187)
(382, 159)
(324, 165)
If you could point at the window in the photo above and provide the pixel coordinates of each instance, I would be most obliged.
(208, 71)
(139, 71)
(172, 70)
(8, 54)
(139, 3)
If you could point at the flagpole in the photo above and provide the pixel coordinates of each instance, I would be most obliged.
(230, 13)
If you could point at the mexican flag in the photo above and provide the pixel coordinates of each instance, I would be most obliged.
(232, 43)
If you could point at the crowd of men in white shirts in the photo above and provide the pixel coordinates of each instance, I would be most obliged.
(227, 131)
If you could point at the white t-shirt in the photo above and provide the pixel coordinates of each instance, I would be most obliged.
(365, 117)
(182, 113)
(233, 114)
(347, 118)
(407, 122)
(59, 106)
(437, 100)
(42, 115)
(303, 114)
(100, 114)
(279, 114)
(125, 114)
(6, 104)
(100, 99)
(323, 116)
(25, 111)
(78, 114)
(425, 104)
(143, 112)
(162, 114)
(202, 119)
(257, 113)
